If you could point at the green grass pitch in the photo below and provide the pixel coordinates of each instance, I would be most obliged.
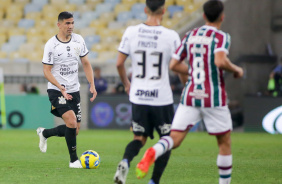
(257, 159)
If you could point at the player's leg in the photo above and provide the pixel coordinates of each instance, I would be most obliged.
(140, 130)
(161, 117)
(77, 128)
(59, 131)
(224, 158)
(185, 118)
(218, 122)
(69, 118)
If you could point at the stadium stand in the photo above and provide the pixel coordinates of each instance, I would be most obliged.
(30, 23)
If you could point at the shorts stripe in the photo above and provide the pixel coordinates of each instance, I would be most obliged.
(220, 133)
(188, 127)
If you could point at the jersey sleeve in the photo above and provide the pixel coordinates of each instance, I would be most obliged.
(181, 52)
(223, 42)
(175, 43)
(124, 46)
(83, 51)
(48, 54)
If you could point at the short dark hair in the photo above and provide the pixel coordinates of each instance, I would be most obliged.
(65, 15)
(213, 9)
(154, 5)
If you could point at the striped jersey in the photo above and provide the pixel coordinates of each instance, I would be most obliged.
(205, 87)
(150, 49)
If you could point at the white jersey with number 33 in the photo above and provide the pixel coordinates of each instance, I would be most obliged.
(150, 49)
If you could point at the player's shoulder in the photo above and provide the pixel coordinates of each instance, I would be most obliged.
(51, 41)
(220, 32)
(169, 31)
(133, 28)
(76, 36)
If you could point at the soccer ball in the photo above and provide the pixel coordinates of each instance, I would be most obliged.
(90, 159)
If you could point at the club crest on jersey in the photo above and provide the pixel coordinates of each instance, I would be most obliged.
(62, 100)
(68, 48)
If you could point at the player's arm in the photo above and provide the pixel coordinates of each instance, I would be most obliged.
(89, 76)
(183, 78)
(223, 62)
(179, 67)
(50, 77)
(122, 72)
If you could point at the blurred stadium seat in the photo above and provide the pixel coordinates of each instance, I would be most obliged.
(77, 2)
(31, 23)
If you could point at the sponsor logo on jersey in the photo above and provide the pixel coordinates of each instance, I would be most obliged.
(124, 42)
(147, 93)
(62, 100)
(199, 94)
(200, 40)
(49, 57)
(272, 121)
(150, 31)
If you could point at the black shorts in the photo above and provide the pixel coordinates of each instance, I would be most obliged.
(59, 105)
(146, 118)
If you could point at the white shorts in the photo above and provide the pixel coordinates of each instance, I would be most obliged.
(217, 119)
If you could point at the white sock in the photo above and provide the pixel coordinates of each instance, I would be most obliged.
(163, 145)
(224, 164)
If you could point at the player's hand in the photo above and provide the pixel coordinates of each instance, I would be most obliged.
(94, 92)
(127, 89)
(239, 73)
(65, 94)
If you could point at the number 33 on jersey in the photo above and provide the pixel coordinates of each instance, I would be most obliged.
(150, 49)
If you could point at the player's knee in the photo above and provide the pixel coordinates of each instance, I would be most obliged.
(71, 122)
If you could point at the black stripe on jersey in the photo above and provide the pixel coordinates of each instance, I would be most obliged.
(123, 53)
(84, 55)
(47, 64)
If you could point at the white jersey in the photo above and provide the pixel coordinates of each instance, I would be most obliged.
(150, 49)
(65, 57)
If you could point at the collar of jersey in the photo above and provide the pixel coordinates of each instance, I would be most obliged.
(210, 27)
(151, 26)
(63, 42)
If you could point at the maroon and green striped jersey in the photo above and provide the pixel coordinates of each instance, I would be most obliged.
(205, 86)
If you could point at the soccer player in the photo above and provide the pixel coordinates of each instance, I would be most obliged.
(150, 47)
(62, 54)
(204, 95)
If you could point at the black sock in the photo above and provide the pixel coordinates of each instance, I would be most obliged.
(57, 131)
(131, 150)
(70, 137)
(159, 168)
